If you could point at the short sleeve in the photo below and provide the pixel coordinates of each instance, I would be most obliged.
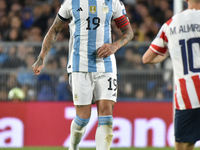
(159, 44)
(64, 11)
(119, 9)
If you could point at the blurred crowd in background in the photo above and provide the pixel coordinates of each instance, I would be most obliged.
(28, 21)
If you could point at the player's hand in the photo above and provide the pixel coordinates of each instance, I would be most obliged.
(106, 50)
(38, 65)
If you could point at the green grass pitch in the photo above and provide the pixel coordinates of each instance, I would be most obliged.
(63, 148)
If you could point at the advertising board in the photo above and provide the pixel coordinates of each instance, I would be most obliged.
(138, 124)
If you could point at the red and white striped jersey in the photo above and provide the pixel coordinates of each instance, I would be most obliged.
(181, 35)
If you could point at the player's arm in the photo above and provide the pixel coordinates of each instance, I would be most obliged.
(127, 35)
(152, 57)
(47, 44)
(108, 49)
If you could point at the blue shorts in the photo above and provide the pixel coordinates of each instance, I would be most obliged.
(187, 125)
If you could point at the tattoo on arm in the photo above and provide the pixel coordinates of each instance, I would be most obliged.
(126, 36)
(51, 36)
(39, 61)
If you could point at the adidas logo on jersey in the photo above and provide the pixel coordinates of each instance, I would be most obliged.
(80, 9)
(114, 94)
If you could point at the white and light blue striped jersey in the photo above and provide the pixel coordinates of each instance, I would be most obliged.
(90, 28)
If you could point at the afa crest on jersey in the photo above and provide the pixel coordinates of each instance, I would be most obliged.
(76, 96)
(105, 8)
(93, 9)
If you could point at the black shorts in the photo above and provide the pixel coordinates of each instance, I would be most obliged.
(187, 125)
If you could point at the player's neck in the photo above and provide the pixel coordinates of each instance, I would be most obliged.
(194, 6)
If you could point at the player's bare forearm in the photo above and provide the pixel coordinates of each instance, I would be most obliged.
(51, 37)
(127, 35)
(39, 62)
(159, 58)
(152, 58)
(110, 48)
(47, 44)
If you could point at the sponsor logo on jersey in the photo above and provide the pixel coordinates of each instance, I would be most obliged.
(105, 8)
(93, 9)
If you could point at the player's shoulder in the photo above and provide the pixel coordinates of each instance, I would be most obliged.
(118, 1)
(175, 17)
(188, 13)
(181, 16)
(168, 22)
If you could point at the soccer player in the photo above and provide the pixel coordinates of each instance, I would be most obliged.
(180, 38)
(91, 63)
